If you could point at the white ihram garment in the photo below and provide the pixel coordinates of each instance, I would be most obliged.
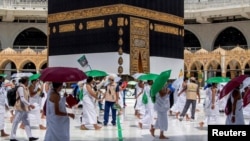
(162, 106)
(57, 126)
(148, 118)
(239, 118)
(211, 115)
(89, 115)
(3, 100)
(34, 115)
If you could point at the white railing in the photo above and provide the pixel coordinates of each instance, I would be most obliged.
(13, 4)
(194, 49)
(35, 48)
(211, 4)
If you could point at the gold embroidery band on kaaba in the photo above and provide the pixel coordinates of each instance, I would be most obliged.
(115, 9)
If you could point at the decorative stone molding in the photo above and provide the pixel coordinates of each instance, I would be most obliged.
(20, 58)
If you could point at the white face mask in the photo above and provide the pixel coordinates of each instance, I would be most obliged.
(62, 91)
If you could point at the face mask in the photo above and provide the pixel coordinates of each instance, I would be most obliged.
(61, 92)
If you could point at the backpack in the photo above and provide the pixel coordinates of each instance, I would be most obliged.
(11, 96)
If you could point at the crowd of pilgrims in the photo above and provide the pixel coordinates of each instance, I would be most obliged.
(108, 96)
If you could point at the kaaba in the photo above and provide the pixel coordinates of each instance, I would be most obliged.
(117, 36)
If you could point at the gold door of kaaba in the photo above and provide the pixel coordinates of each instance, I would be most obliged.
(139, 45)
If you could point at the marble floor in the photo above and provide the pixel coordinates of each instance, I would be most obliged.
(177, 131)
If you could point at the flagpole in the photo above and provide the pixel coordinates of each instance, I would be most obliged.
(89, 67)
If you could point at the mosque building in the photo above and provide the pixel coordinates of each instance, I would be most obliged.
(204, 37)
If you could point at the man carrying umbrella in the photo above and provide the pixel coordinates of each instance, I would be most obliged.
(192, 91)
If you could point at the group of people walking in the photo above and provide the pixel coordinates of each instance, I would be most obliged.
(187, 95)
(152, 112)
(27, 106)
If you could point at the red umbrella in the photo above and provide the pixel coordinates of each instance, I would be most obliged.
(235, 82)
(62, 74)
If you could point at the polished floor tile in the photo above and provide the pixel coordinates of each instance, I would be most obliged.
(177, 131)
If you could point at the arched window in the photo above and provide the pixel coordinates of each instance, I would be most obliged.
(191, 41)
(229, 38)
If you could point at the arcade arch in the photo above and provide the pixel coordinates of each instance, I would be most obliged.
(229, 38)
(191, 40)
(12, 61)
(30, 37)
(213, 69)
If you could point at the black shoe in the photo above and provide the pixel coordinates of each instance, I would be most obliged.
(99, 122)
(33, 139)
(105, 124)
(13, 140)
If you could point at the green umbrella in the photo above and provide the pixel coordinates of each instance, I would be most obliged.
(218, 79)
(149, 76)
(132, 82)
(3, 75)
(96, 73)
(159, 83)
(34, 76)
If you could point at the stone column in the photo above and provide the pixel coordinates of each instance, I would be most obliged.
(223, 74)
(223, 70)
(205, 75)
(242, 72)
(188, 74)
(232, 73)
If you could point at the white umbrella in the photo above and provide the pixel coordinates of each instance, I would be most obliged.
(22, 74)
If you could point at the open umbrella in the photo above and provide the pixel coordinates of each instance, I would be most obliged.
(34, 76)
(235, 82)
(149, 76)
(62, 74)
(96, 73)
(137, 75)
(3, 75)
(159, 83)
(132, 82)
(22, 74)
(218, 79)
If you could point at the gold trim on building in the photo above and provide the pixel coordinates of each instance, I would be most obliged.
(219, 62)
(54, 29)
(113, 10)
(21, 58)
(80, 26)
(166, 29)
(120, 21)
(110, 22)
(139, 45)
(95, 24)
(67, 28)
